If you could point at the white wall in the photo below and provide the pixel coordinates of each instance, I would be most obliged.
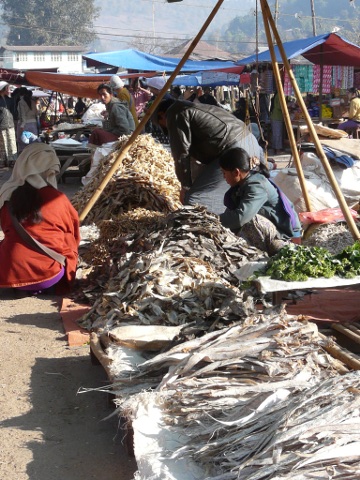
(65, 62)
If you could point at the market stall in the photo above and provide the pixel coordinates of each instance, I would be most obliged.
(228, 394)
(182, 343)
(330, 73)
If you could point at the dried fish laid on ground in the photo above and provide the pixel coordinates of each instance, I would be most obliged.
(168, 290)
(333, 236)
(145, 178)
(259, 354)
(184, 273)
(283, 435)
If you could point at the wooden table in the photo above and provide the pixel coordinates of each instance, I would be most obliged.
(327, 122)
(74, 162)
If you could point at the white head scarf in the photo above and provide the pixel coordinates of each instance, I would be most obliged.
(3, 84)
(116, 82)
(37, 164)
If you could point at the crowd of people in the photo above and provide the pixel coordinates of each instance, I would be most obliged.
(212, 148)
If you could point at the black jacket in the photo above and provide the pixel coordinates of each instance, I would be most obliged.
(200, 131)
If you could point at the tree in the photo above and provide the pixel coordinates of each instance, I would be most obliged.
(154, 46)
(49, 22)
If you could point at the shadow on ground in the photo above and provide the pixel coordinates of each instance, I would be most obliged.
(75, 443)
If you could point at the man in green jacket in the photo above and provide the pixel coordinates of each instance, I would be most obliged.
(118, 118)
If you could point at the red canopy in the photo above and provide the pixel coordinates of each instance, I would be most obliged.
(334, 51)
(81, 85)
(326, 49)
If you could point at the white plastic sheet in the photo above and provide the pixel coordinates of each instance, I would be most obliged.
(99, 153)
(153, 443)
(319, 189)
(268, 285)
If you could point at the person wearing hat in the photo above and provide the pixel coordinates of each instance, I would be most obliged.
(30, 202)
(119, 120)
(8, 148)
(155, 85)
(123, 94)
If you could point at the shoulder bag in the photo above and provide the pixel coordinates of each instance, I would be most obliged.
(35, 244)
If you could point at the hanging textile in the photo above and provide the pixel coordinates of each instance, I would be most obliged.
(342, 77)
(267, 81)
(304, 77)
(348, 78)
(326, 79)
(357, 80)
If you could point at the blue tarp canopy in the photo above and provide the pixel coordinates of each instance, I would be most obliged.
(207, 79)
(326, 49)
(135, 60)
(188, 80)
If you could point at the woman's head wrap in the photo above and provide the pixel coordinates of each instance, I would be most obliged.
(37, 164)
(116, 82)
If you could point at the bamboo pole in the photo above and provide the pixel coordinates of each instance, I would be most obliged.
(148, 114)
(287, 120)
(345, 330)
(344, 356)
(320, 153)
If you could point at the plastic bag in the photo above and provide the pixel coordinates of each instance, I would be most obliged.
(327, 215)
(29, 137)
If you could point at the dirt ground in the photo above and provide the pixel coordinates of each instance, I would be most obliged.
(48, 430)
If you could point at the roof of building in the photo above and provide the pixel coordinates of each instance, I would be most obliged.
(202, 51)
(43, 48)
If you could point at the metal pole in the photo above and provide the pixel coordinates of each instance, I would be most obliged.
(276, 12)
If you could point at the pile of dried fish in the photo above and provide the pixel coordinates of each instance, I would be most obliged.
(260, 353)
(112, 233)
(173, 275)
(333, 236)
(313, 433)
(145, 178)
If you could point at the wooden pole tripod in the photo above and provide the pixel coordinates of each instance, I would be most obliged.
(269, 21)
(287, 120)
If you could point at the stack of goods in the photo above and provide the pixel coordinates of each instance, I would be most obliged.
(332, 236)
(259, 399)
(145, 179)
(180, 271)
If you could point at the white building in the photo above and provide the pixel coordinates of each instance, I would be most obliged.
(65, 59)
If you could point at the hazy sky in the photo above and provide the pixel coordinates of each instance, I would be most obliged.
(157, 18)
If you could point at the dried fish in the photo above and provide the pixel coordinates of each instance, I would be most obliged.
(292, 437)
(333, 236)
(152, 278)
(145, 179)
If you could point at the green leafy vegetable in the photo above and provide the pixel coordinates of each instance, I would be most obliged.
(297, 263)
(349, 261)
